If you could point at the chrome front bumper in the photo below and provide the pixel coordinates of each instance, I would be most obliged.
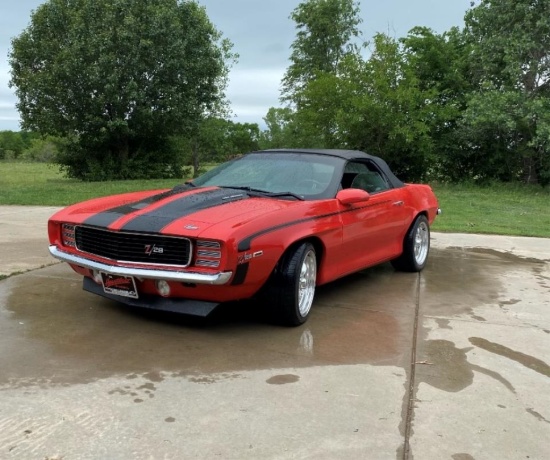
(144, 273)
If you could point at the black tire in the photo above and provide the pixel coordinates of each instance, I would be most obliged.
(416, 247)
(291, 289)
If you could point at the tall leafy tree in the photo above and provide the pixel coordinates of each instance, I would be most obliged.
(326, 29)
(392, 114)
(116, 78)
(376, 105)
(342, 100)
(442, 69)
(511, 52)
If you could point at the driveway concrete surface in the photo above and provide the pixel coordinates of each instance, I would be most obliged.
(451, 363)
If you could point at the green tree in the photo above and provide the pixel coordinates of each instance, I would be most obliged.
(442, 69)
(217, 140)
(393, 115)
(41, 149)
(117, 78)
(244, 137)
(285, 129)
(278, 128)
(12, 144)
(511, 54)
(326, 29)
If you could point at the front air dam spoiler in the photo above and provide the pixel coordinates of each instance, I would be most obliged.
(184, 306)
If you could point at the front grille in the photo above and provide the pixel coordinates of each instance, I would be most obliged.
(134, 247)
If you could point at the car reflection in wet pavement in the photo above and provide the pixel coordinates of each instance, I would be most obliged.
(447, 362)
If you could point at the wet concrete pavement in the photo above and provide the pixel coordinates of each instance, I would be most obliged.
(449, 364)
(22, 233)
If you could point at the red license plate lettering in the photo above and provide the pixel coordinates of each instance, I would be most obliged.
(124, 286)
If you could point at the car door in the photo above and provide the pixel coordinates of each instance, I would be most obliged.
(372, 230)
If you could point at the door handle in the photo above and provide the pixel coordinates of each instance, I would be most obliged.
(398, 203)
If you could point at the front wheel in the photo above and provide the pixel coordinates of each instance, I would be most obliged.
(415, 247)
(292, 286)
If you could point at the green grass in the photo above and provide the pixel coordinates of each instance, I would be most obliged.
(507, 209)
(43, 185)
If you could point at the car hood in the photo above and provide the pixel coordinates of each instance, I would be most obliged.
(178, 211)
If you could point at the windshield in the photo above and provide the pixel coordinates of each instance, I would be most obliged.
(308, 175)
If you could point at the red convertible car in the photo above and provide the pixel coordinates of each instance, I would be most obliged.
(271, 225)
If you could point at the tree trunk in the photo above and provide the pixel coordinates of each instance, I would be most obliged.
(530, 175)
(122, 150)
(195, 158)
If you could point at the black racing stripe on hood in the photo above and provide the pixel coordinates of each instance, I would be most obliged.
(106, 218)
(159, 218)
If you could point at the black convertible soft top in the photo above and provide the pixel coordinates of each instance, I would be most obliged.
(346, 155)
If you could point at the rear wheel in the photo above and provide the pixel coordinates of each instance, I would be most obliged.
(292, 287)
(415, 247)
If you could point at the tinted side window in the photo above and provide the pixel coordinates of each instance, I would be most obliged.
(365, 176)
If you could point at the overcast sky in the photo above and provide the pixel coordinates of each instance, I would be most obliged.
(261, 32)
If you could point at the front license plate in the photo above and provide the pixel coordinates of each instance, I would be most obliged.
(123, 286)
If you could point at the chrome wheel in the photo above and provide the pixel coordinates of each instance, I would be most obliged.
(306, 283)
(421, 243)
(416, 247)
(291, 288)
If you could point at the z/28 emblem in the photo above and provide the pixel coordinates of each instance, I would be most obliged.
(244, 258)
(153, 249)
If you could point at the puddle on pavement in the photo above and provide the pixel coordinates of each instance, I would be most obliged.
(283, 379)
(527, 361)
(498, 255)
(462, 456)
(57, 334)
(53, 333)
(446, 367)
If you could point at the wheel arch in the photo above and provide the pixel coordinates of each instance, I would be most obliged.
(421, 213)
(408, 229)
(414, 219)
(317, 243)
